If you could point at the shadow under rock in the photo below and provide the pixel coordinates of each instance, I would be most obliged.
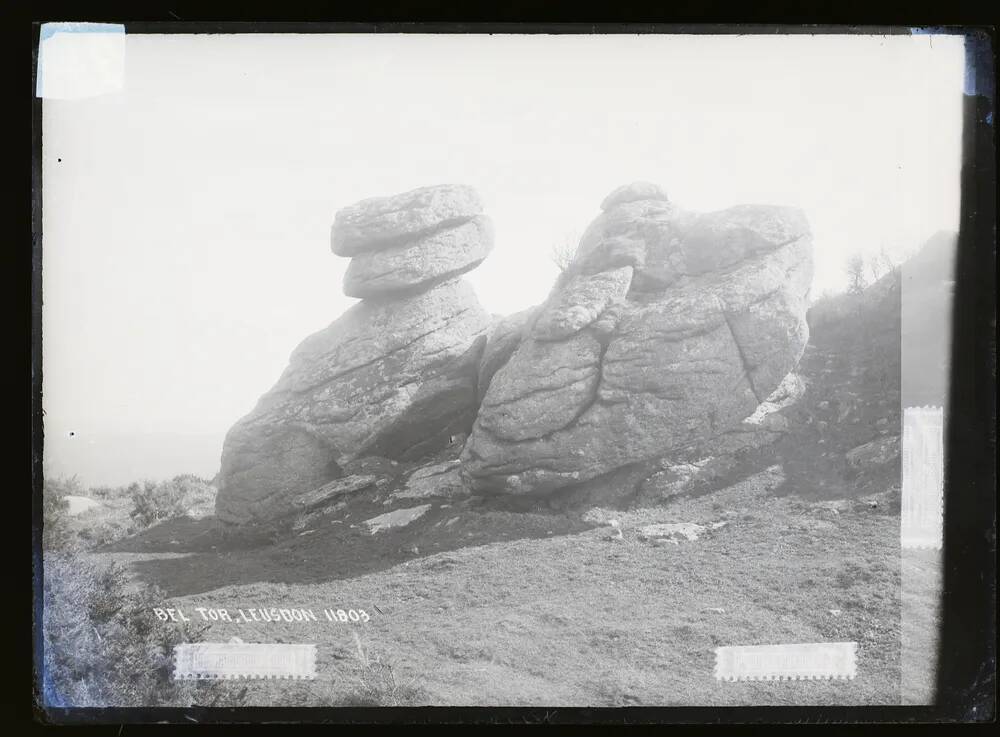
(188, 535)
(338, 551)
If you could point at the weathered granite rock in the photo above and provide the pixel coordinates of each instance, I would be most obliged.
(315, 518)
(789, 391)
(711, 321)
(676, 532)
(875, 453)
(395, 518)
(437, 481)
(626, 234)
(502, 340)
(580, 302)
(77, 505)
(333, 491)
(544, 387)
(703, 467)
(393, 379)
(677, 479)
(632, 192)
(381, 468)
(421, 262)
(379, 222)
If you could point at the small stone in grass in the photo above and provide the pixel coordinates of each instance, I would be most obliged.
(613, 523)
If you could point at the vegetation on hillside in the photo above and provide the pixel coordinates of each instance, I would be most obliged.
(101, 642)
(524, 608)
(121, 511)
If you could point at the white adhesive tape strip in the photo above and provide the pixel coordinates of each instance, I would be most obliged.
(229, 660)
(77, 60)
(788, 662)
(922, 514)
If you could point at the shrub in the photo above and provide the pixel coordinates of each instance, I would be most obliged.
(105, 532)
(56, 531)
(101, 643)
(125, 510)
(104, 492)
(152, 502)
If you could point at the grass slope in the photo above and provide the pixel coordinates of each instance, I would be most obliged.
(474, 604)
(578, 619)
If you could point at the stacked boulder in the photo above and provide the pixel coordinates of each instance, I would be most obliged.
(395, 376)
(667, 329)
(410, 242)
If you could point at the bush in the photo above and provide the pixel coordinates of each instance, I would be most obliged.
(124, 511)
(105, 532)
(152, 502)
(56, 531)
(101, 643)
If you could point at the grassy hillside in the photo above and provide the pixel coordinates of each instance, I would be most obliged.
(478, 603)
(580, 619)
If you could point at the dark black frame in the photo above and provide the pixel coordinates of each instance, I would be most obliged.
(967, 681)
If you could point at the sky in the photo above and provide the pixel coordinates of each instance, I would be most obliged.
(186, 217)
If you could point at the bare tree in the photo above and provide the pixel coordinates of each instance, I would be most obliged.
(855, 273)
(890, 262)
(874, 265)
(881, 263)
(563, 251)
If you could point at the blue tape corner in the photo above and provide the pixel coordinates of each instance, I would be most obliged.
(50, 29)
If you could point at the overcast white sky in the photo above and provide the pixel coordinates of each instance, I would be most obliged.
(186, 218)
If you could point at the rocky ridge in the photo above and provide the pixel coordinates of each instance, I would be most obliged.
(666, 332)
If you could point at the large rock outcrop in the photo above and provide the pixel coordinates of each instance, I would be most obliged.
(667, 329)
(395, 376)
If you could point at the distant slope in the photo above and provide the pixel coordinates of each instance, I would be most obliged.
(104, 459)
(870, 354)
